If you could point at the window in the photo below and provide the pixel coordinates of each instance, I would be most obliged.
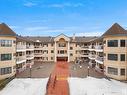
(62, 44)
(52, 44)
(52, 51)
(61, 51)
(5, 57)
(122, 71)
(45, 45)
(71, 48)
(113, 71)
(6, 43)
(112, 43)
(71, 54)
(51, 58)
(122, 43)
(122, 57)
(113, 57)
(7, 70)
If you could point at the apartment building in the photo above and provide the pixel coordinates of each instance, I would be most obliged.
(115, 52)
(7, 52)
(107, 54)
(24, 53)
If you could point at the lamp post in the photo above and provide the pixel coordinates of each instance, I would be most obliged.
(30, 70)
(88, 70)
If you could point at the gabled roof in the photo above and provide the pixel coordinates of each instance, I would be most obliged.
(6, 31)
(115, 29)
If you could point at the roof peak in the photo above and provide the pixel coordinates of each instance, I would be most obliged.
(6, 30)
(115, 29)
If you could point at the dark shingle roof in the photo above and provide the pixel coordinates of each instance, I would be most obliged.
(51, 39)
(6, 31)
(23, 39)
(41, 39)
(84, 39)
(115, 29)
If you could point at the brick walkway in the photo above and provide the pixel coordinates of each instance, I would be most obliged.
(58, 84)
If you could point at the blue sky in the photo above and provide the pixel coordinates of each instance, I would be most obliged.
(52, 17)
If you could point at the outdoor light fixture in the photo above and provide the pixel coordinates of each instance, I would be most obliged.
(88, 70)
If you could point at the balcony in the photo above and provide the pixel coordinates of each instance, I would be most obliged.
(91, 48)
(20, 48)
(62, 55)
(92, 56)
(20, 60)
(37, 47)
(84, 55)
(99, 48)
(84, 47)
(99, 60)
(30, 56)
(30, 48)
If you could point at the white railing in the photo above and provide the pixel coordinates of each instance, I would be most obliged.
(20, 47)
(99, 47)
(100, 58)
(91, 47)
(18, 59)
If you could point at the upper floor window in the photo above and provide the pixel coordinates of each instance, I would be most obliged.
(122, 57)
(112, 43)
(7, 70)
(71, 48)
(122, 43)
(5, 57)
(5, 43)
(113, 57)
(62, 44)
(52, 51)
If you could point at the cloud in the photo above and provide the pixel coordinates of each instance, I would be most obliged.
(29, 4)
(36, 28)
(63, 5)
(95, 33)
(15, 27)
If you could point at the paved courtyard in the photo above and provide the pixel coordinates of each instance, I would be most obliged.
(43, 70)
(82, 71)
(39, 70)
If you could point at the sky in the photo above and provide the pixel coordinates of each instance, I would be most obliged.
(53, 17)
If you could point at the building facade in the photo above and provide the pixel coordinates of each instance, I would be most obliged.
(107, 54)
(7, 52)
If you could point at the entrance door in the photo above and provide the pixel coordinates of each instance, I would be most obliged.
(62, 58)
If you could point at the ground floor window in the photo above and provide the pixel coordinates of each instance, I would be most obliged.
(6, 70)
(122, 71)
(112, 70)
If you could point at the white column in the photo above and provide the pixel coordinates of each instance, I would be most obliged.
(55, 51)
(68, 51)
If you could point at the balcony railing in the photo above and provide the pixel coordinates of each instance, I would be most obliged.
(91, 47)
(30, 56)
(30, 47)
(21, 47)
(100, 58)
(20, 59)
(92, 56)
(99, 47)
